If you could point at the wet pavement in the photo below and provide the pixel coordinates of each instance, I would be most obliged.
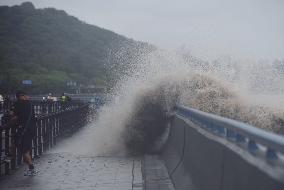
(81, 162)
(78, 162)
(155, 173)
(60, 171)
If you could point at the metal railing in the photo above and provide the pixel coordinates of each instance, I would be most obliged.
(56, 121)
(257, 141)
(47, 107)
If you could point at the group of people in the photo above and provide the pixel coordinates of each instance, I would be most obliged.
(22, 116)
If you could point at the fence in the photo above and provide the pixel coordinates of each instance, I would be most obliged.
(53, 120)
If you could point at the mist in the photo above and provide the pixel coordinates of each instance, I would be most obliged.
(244, 29)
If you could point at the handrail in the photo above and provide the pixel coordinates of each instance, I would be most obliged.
(237, 131)
(49, 128)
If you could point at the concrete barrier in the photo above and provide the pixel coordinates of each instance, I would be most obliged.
(200, 155)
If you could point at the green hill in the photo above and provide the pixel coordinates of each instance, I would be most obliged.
(51, 48)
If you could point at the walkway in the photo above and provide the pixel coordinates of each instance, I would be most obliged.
(66, 171)
(60, 170)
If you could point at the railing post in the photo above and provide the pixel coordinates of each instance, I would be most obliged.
(55, 130)
(13, 149)
(1, 151)
(45, 134)
(40, 137)
(48, 133)
(52, 130)
(7, 147)
(35, 140)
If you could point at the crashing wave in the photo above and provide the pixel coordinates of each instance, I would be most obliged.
(138, 115)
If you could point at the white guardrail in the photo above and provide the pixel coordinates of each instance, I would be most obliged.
(254, 140)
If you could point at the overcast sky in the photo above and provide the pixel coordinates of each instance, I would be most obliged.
(208, 28)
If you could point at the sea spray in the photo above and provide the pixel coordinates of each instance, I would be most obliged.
(137, 114)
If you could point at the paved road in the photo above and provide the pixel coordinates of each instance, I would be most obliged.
(80, 162)
(76, 164)
(60, 171)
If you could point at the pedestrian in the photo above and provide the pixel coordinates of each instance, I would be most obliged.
(63, 100)
(63, 97)
(23, 112)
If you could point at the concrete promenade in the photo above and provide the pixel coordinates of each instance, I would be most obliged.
(60, 171)
(73, 164)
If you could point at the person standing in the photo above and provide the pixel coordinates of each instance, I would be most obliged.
(23, 112)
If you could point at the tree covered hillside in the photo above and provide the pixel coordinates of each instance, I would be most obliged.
(51, 48)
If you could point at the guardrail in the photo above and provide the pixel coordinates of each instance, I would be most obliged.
(50, 126)
(253, 139)
(205, 151)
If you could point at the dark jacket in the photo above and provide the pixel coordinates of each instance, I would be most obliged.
(24, 110)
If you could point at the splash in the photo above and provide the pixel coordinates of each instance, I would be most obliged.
(138, 114)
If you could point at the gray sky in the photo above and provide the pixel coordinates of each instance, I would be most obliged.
(208, 28)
